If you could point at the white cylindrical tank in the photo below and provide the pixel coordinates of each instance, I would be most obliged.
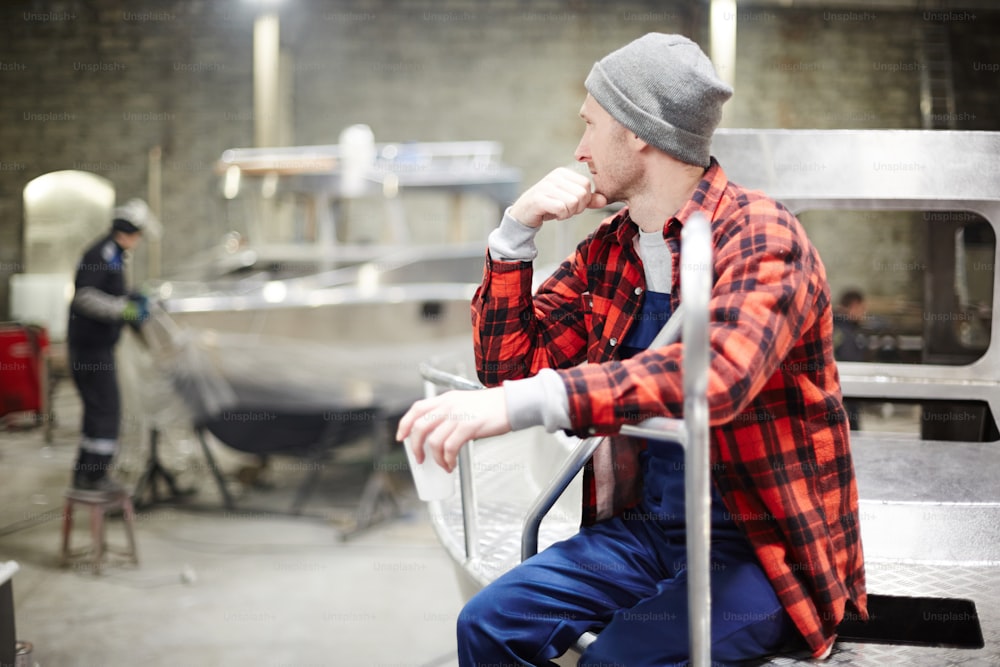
(357, 151)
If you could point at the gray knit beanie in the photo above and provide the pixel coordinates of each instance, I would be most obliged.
(665, 90)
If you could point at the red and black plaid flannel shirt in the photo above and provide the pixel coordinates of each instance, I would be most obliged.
(779, 448)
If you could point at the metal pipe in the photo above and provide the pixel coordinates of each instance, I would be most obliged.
(470, 530)
(550, 494)
(696, 289)
(722, 27)
(154, 198)
(470, 511)
(658, 428)
(446, 379)
(692, 432)
(266, 75)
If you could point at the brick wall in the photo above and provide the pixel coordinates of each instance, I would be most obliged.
(863, 69)
(94, 84)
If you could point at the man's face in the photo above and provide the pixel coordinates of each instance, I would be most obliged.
(856, 311)
(128, 241)
(605, 149)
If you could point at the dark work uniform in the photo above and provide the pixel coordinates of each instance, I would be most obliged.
(94, 328)
(849, 344)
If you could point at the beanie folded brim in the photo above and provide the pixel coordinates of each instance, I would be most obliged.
(686, 146)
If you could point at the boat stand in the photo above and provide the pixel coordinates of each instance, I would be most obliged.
(156, 471)
(379, 498)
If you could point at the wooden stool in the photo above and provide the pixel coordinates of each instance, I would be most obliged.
(100, 503)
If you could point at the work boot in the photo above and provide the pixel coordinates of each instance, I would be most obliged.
(91, 474)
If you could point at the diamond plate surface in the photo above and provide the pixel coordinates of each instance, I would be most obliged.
(505, 489)
(980, 584)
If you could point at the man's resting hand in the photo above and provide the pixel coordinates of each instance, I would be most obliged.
(560, 195)
(439, 426)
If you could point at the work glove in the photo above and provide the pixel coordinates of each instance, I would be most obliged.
(137, 309)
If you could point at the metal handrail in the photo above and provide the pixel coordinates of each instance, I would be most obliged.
(696, 292)
(551, 493)
(692, 433)
(438, 376)
(433, 377)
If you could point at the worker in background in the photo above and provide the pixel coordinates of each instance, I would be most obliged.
(101, 306)
(850, 343)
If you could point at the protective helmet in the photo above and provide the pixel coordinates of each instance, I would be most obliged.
(134, 216)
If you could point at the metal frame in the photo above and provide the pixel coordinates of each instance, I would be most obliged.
(454, 166)
(883, 170)
(432, 378)
(691, 432)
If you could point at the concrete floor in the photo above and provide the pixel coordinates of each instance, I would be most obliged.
(219, 588)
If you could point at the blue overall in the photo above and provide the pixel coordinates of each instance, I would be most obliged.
(626, 579)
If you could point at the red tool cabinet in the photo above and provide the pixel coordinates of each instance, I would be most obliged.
(23, 369)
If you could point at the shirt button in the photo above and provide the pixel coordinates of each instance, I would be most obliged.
(638, 291)
(592, 430)
(613, 342)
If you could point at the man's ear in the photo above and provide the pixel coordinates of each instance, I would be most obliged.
(636, 143)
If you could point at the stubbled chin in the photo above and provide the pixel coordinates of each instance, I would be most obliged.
(598, 190)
